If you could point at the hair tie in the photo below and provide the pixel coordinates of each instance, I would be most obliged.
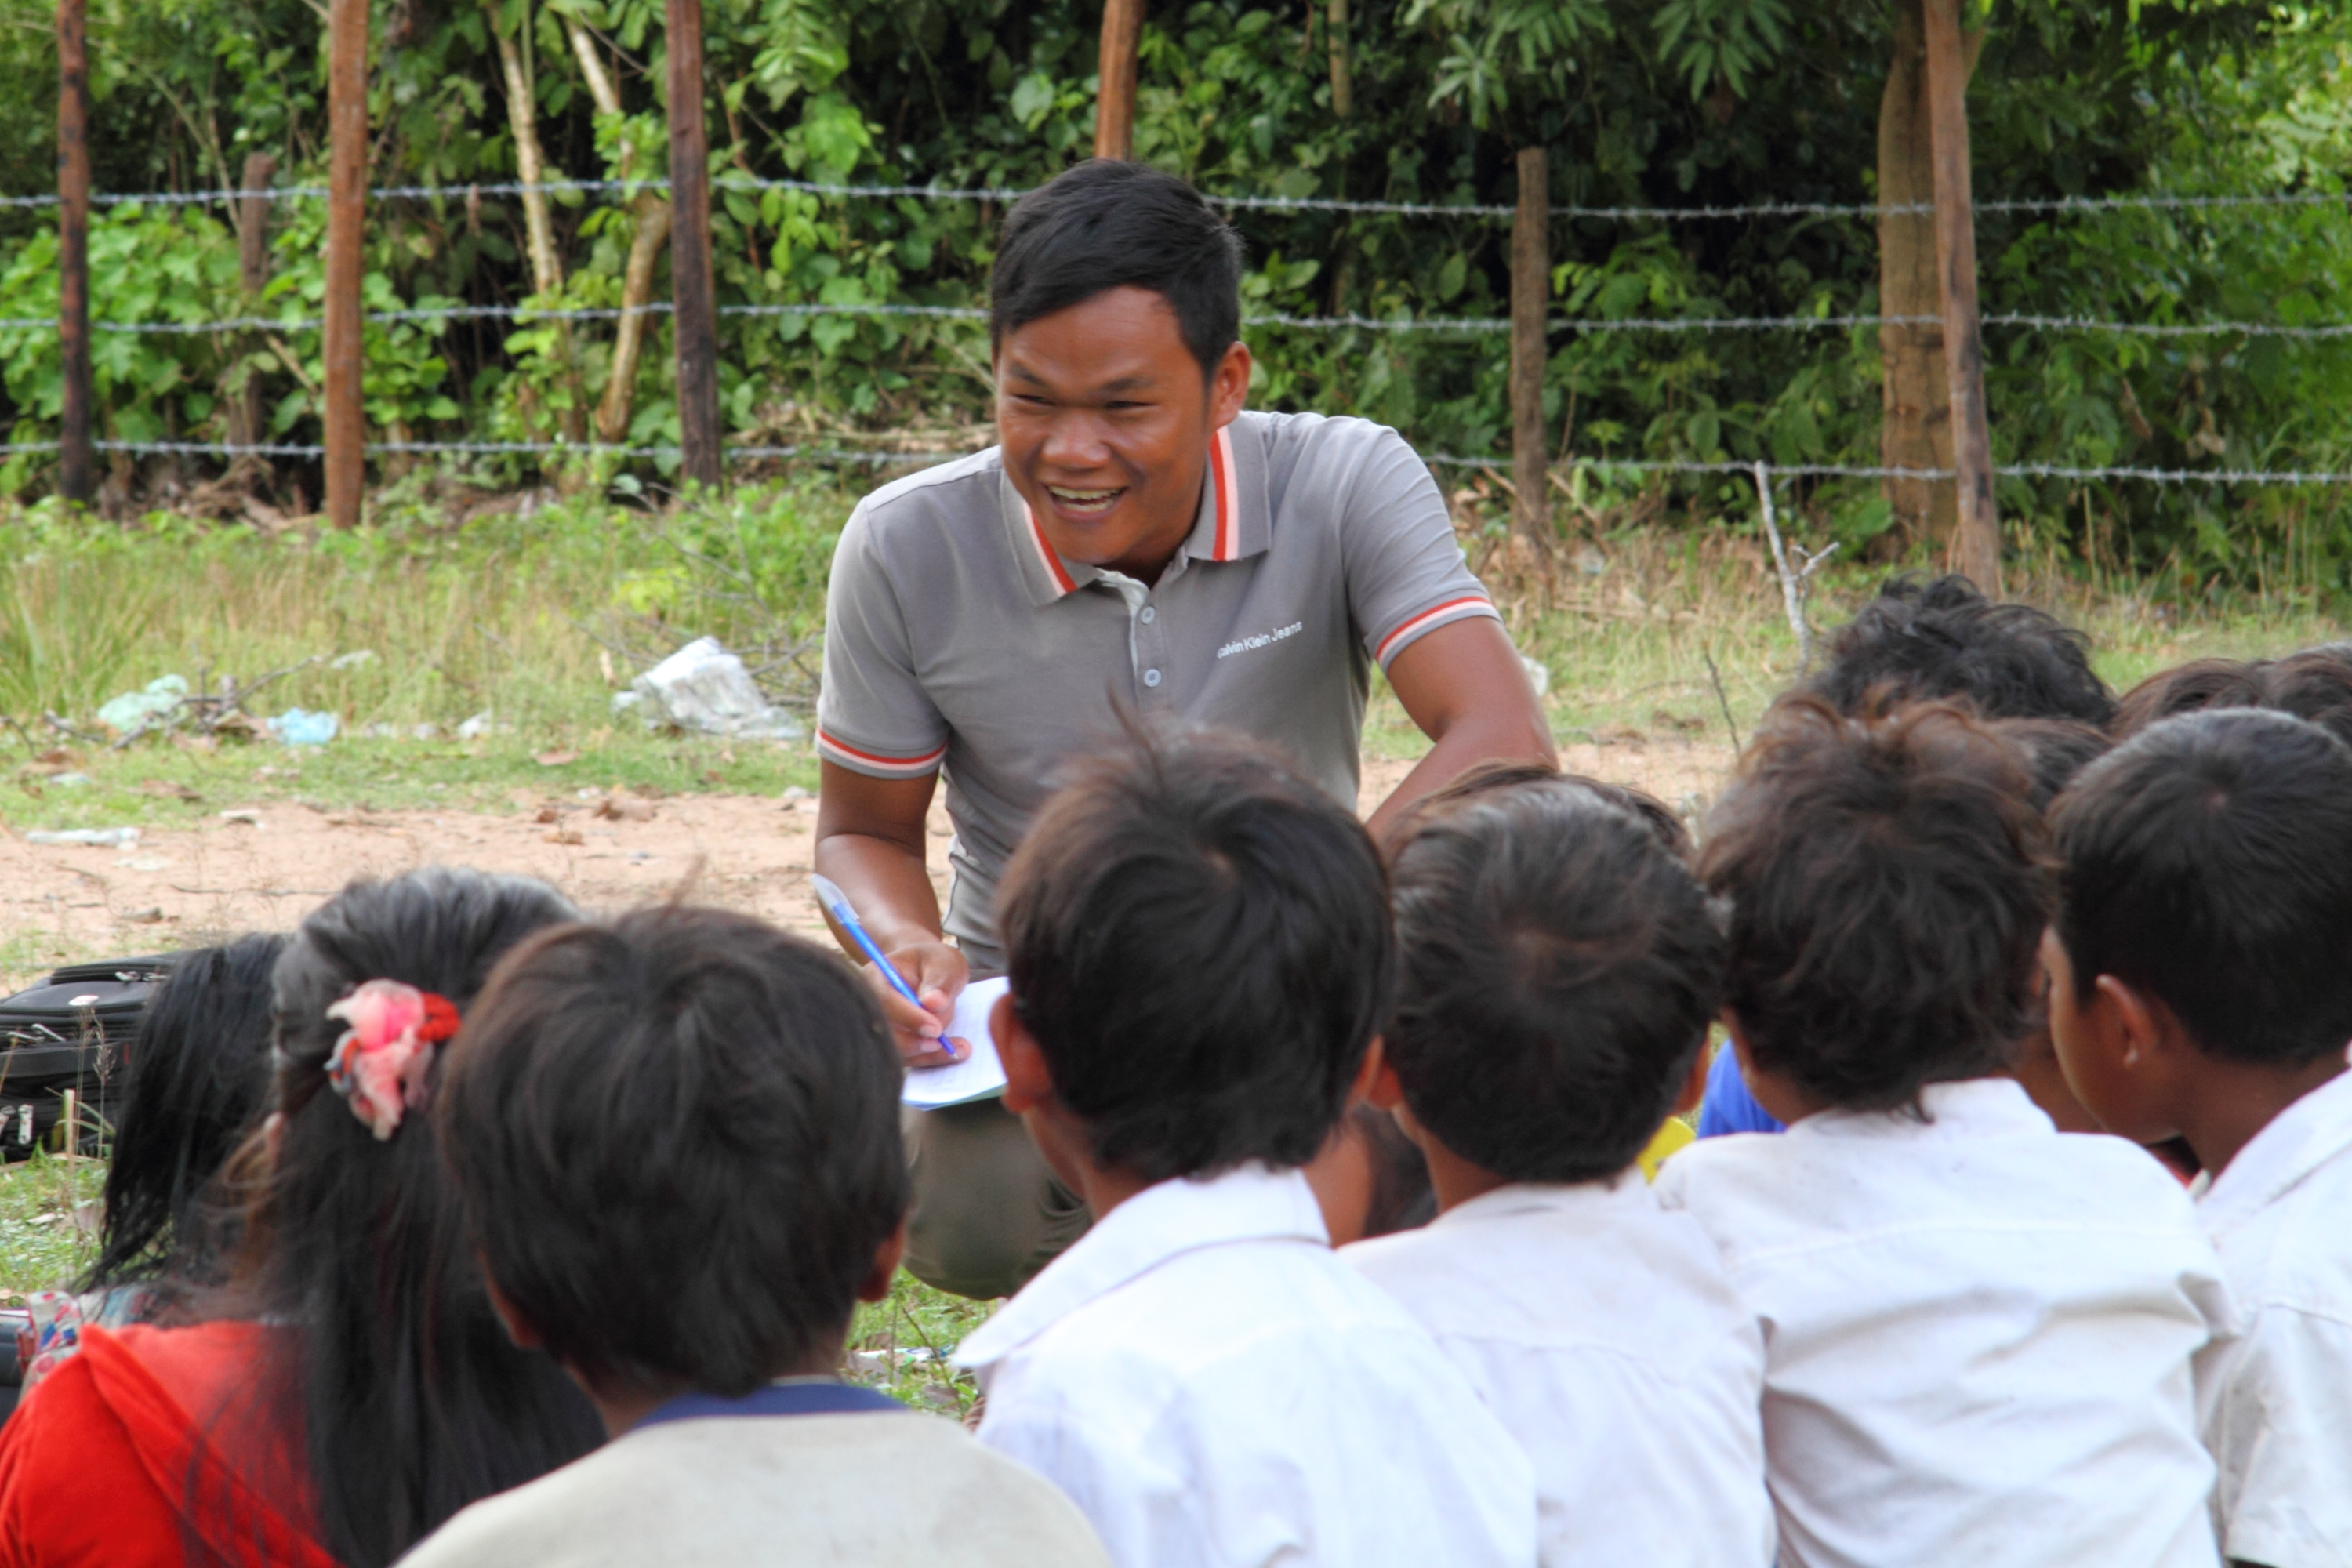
(379, 1066)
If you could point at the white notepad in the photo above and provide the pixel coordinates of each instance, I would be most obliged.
(979, 1076)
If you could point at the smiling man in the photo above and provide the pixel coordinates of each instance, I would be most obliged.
(1137, 542)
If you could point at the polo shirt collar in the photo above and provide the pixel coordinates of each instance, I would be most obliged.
(2298, 1141)
(1250, 1202)
(1233, 523)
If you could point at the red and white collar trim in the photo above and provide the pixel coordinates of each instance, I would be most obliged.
(1225, 513)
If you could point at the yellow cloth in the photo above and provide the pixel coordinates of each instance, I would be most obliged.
(1674, 1135)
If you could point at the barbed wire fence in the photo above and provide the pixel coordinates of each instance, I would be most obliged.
(525, 314)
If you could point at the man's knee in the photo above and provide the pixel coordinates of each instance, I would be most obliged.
(988, 1214)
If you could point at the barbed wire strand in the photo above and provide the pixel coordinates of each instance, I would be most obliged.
(1468, 324)
(1434, 459)
(2070, 205)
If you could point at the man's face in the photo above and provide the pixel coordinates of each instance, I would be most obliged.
(1105, 419)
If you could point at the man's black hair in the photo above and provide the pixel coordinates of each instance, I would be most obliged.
(1944, 639)
(1889, 881)
(1560, 972)
(676, 1140)
(2208, 862)
(1199, 940)
(1105, 225)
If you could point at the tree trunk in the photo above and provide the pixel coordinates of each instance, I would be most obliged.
(247, 417)
(531, 167)
(75, 448)
(1975, 547)
(1530, 295)
(1917, 428)
(1343, 86)
(652, 232)
(695, 328)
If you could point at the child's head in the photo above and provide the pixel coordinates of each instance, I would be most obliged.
(1559, 970)
(1889, 882)
(413, 1401)
(1943, 639)
(1199, 947)
(2207, 875)
(2314, 683)
(197, 1071)
(676, 1141)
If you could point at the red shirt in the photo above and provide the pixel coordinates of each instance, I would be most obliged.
(104, 1464)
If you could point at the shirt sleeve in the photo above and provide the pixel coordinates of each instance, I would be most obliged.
(2280, 1432)
(873, 715)
(1406, 575)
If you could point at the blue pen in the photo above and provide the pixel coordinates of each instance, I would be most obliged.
(836, 904)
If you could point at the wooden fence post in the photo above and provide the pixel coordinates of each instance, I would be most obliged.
(76, 454)
(346, 426)
(1122, 31)
(248, 418)
(1975, 546)
(1530, 291)
(695, 323)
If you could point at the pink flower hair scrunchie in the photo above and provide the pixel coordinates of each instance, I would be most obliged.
(379, 1065)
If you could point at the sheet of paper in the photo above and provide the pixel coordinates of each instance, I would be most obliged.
(979, 1076)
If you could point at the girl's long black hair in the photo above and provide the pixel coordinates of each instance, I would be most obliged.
(196, 1076)
(412, 1400)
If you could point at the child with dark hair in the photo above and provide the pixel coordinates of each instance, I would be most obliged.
(351, 1387)
(1922, 641)
(1200, 952)
(2314, 683)
(1944, 639)
(194, 1078)
(1561, 972)
(1978, 1331)
(729, 1186)
(2201, 985)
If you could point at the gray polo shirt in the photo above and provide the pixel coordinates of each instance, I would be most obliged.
(957, 640)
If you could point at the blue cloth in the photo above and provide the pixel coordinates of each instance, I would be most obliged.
(1728, 1107)
(816, 1396)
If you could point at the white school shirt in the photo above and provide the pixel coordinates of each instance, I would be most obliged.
(1214, 1389)
(893, 1491)
(1604, 1332)
(1977, 1334)
(2279, 1415)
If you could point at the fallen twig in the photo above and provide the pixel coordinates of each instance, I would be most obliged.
(1721, 701)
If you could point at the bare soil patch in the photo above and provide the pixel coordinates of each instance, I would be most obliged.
(266, 867)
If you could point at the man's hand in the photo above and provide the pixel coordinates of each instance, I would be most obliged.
(938, 974)
(870, 840)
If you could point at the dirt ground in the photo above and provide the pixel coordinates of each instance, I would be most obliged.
(265, 867)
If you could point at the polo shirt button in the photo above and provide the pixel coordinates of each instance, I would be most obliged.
(1151, 678)
(1148, 615)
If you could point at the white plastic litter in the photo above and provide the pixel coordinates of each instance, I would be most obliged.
(70, 780)
(703, 686)
(1539, 676)
(95, 838)
(353, 659)
(474, 728)
(136, 710)
(301, 727)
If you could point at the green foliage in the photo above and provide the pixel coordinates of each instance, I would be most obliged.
(1675, 102)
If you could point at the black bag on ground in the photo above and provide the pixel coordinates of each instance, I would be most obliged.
(70, 1033)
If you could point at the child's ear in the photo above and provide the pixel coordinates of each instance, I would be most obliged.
(1693, 1089)
(1369, 1073)
(1028, 1082)
(1383, 1090)
(509, 1318)
(886, 1258)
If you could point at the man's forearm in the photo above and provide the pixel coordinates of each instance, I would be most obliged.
(1474, 738)
(888, 883)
